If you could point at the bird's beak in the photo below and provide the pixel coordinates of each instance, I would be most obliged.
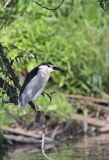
(56, 68)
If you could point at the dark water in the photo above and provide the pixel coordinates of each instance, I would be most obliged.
(88, 148)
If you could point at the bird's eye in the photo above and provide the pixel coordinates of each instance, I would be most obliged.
(49, 66)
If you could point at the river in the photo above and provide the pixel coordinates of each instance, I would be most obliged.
(85, 148)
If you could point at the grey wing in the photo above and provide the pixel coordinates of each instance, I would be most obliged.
(32, 89)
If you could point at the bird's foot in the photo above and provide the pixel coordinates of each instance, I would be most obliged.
(48, 94)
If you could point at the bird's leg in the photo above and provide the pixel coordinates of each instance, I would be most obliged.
(38, 116)
(32, 106)
(37, 111)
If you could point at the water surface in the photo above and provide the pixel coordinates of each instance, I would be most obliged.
(87, 148)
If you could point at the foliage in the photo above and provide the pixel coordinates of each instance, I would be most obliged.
(73, 37)
(104, 4)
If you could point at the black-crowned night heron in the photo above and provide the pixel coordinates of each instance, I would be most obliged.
(35, 83)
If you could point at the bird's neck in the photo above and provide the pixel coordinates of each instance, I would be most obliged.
(45, 75)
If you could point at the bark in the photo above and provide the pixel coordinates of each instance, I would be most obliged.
(10, 91)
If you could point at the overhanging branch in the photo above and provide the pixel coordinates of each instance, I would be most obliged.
(9, 68)
(51, 9)
(10, 91)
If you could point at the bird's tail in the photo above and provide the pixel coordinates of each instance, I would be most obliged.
(20, 103)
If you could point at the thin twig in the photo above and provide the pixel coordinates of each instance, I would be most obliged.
(51, 9)
(42, 147)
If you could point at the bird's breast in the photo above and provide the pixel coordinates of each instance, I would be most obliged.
(43, 78)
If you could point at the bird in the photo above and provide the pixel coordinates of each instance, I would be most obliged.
(35, 83)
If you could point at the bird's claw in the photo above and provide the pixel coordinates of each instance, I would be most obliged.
(48, 94)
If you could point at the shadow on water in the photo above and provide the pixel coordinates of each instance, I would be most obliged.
(88, 148)
(3, 152)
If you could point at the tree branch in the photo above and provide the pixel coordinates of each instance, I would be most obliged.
(10, 91)
(9, 68)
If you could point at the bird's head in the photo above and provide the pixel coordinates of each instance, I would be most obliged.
(48, 67)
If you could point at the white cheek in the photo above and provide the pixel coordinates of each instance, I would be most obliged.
(50, 70)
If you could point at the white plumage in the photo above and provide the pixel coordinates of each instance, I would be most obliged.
(35, 83)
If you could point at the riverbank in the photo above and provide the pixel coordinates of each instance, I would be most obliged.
(88, 119)
(29, 138)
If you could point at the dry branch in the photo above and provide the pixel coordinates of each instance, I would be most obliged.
(90, 104)
(26, 133)
(104, 129)
(43, 147)
(21, 139)
(91, 121)
(86, 101)
(88, 98)
(20, 131)
(55, 131)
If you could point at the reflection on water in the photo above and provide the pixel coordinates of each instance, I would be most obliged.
(88, 148)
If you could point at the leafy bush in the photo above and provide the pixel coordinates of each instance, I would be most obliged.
(73, 37)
